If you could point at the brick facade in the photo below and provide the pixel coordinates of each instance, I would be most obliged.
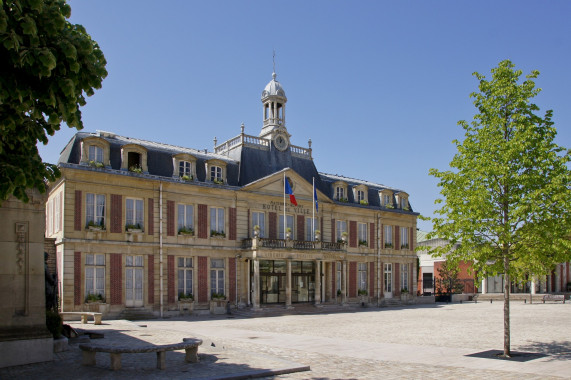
(171, 293)
(232, 220)
(77, 296)
(397, 237)
(116, 213)
(202, 221)
(333, 240)
(353, 234)
(202, 279)
(170, 218)
(372, 235)
(116, 275)
(77, 211)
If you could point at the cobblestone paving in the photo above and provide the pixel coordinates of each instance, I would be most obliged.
(435, 339)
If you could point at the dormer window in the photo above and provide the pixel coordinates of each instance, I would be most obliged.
(386, 198)
(184, 169)
(134, 158)
(340, 191)
(94, 152)
(360, 194)
(402, 201)
(216, 171)
(184, 166)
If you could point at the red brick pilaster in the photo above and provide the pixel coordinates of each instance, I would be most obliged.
(150, 217)
(300, 227)
(372, 279)
(353, 233)
(202, 221)
(352, 279)
(232, 279)
(382, 242)
(397, 279)
(170, 280)
(372, 235)
(333, 231)
(116, 213)
(232, 220)
(77, 296)
(333, 277)
(77, 211)
(151, 278)
(273, 228)
(116, 276)
(202, 279)
(397, 237)
(170, 218)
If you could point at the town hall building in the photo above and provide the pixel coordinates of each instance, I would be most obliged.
(141, 225)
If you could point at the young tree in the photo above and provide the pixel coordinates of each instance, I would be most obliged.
(507, 197)
(447, 282)
(47, 67)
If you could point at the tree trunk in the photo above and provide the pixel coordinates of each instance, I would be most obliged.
(507, 353)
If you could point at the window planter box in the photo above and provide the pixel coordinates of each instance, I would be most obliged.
(95, 228)
(134, 230)
(218, 306)
(96, 307)
(185, 306)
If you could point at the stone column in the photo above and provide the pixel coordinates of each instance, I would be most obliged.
(288, 284)
(256, 285)
(317, 282)
(532, 285)
(344, 282)
(484, 285)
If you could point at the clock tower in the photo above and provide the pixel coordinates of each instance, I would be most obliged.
(274, 100)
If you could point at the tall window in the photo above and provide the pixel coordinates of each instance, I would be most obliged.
(215, 173)
(360, 196)
(403, 203)
(404, 276)
(217, 276)
(95, 210)
(289, 224)
(388, 238)
(362, 233)
(184, 277)
(57, 213)
(341, 227)
(340, 193)
(362, 276)
(134, 217)
(338, 276)
(95, 275)
(309, 231)
(259, 219)
(387, 200)
(95, 153)
(185, 218)
(388, 277)
(184, 169)
(217, 221)
(404, 242)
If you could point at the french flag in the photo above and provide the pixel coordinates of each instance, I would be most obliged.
(289, 191)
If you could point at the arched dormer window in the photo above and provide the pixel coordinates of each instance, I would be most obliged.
(340, 191)
(184, 166)
(360, 194)
(386, 198)
(134, 158)
(402, 201)
(216, 171)
(94, 151)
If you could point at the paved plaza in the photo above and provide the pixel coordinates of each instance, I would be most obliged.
(437, 341)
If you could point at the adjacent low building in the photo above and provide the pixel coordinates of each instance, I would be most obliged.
(141, 225)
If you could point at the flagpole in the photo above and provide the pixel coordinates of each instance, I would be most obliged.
(313, 216)
(285, 179)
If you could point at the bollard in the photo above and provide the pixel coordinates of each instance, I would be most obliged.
(524, 301)
(490, 301)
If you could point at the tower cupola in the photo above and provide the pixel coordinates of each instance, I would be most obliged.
(274, 100)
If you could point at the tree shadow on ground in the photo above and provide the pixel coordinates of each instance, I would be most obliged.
(555, 351)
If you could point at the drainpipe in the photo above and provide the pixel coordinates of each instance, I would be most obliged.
(379, 269)
(161, 245)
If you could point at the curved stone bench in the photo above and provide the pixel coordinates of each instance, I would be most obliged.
(190, 345)
(84, 315)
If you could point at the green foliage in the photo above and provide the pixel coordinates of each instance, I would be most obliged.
(447, 282)
(363, 243)
(364, 202)
(362, 292)
(54, 323)
(215, 233)
(507, 197)
(217, 296)
(48, 66)
(94, 298)
(185, 297)
(136, 169)
(186, 231)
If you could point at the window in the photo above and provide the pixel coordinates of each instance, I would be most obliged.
(95, 153)
(404, 277)
(388, 277)
(95, 210)
(362, 277)
(362, 233)
(340, 193)
(217, 222)
(184, 169)
(95, 276)
(388, 232)
(134, 161)
(216, 174)
(403, 203)
(185, 219)
(184, 277)
(49, 215)
(360, 196)
(310, 229)
(57, 213)
(289, 224)
(340, 230)
(387, 200)
(404, 242)
(338, 279)
(217, 276)
(258, 219)
(134, 218)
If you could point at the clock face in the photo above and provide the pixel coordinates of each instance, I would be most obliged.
(281, 142)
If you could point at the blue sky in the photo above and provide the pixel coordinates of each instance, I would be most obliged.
(378, 86)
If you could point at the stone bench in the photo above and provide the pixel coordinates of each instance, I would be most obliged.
(554, 298)
(190, 345)
(84, 315)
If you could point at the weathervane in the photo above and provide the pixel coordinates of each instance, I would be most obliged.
(274, 59)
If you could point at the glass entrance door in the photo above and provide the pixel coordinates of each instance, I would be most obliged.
(272, 288)
(302, 281)
(133, 281)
